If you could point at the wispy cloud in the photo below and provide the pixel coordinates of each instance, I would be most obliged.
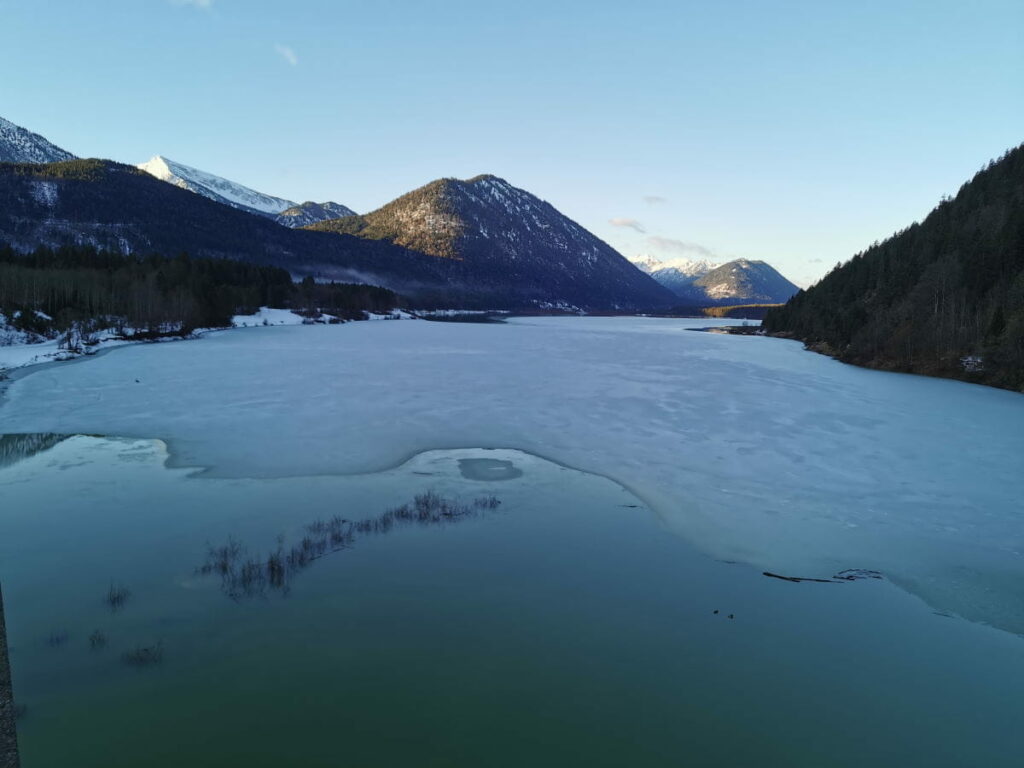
(681, 247)
(203, 4)
(630, 223)
(655, 199)
(814, 261)
(287, 54)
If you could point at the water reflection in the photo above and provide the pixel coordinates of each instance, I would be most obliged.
(568, 626)
(245, 576)
(15, 448)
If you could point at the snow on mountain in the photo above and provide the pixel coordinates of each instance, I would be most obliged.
(743, 279)
(701, 281)
(310, 213)
(692, 268)
(678, 274)
(286, 212)
(19, 145)
(505, 236)
(215, 187)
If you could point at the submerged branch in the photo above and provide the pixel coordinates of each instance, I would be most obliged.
(243, 576)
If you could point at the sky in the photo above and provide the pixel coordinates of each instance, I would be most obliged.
(793, 132)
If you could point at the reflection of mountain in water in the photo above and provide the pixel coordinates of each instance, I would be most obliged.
(15, 448)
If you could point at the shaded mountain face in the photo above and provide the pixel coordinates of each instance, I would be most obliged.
(236, 195)
(944, 296)
(18, 145)
(507, 235)
(736, 282)
(119, 207)
(310, 213)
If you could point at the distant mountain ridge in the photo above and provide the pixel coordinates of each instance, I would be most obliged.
(286, 212)
(746, 280)
(490, 225)
(122, 208)
(310, 213)
(19, 145)
(473, 243)
(686, 267)
(703, 282)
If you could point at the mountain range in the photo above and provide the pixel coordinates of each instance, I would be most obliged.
(119, 207)
(705, 283)
(478, 242)
(286, 212)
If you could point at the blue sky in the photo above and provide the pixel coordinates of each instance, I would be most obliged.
(795, 132)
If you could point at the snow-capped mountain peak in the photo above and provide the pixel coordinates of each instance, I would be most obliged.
(19, 145)
(684, 267)
(215, 187)
(702, 282)
(286, 212)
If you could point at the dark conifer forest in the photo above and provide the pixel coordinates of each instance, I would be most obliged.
(943, 297)
(48, 291)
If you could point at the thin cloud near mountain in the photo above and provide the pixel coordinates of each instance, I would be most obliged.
(680, 247)
(628, 223)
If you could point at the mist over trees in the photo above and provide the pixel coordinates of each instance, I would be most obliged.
(943, 297)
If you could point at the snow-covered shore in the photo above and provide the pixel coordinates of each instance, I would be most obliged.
(22, 354)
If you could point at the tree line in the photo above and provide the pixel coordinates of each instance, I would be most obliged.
(50, 290)
(943, 297)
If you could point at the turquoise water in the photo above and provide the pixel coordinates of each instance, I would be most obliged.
(563, 626)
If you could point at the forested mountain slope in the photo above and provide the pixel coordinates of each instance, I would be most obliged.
(121, 208)
(509, 234)
(943, 297)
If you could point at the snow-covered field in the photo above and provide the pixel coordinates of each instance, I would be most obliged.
(751, 447)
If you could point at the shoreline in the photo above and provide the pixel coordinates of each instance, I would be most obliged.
(11, 374)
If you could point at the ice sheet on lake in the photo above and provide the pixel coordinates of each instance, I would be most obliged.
(751, 447)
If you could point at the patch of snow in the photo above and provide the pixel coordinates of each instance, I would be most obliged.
(267, 316)
(694, 268)
(44, 192)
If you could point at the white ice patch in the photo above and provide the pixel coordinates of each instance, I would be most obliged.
(267, 316)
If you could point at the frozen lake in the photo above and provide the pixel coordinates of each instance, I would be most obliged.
(751, 448)
(647, 475)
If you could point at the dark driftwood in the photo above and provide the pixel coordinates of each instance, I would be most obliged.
(850, 574)
(797, 579)
(8, 734)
